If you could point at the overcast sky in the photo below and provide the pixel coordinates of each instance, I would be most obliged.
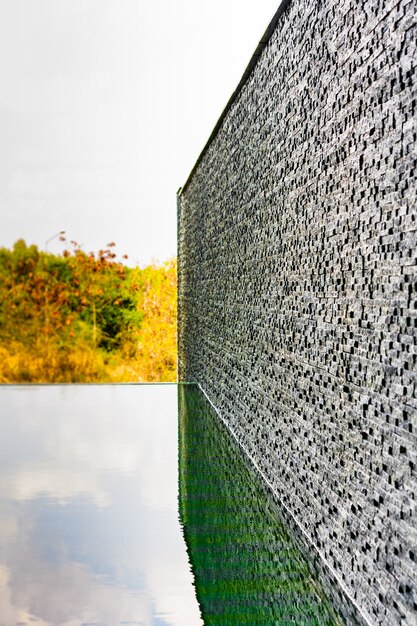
(104, 107)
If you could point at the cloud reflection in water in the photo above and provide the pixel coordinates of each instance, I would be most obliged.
(89, 528)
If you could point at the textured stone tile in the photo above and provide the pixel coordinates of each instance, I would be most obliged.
(297, 286)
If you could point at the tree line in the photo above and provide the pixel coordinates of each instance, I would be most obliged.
(85, 317)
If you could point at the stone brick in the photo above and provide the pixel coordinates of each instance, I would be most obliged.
(297, 286)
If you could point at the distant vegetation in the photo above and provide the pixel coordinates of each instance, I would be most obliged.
(81, 317)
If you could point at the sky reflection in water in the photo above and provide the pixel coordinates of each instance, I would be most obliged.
(89, 530)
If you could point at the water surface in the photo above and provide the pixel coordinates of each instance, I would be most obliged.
(248, 569)
(89, 530)
(90, 533)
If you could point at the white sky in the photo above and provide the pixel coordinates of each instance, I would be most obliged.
(105, 106)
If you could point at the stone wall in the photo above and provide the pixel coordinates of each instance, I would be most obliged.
(297, 285)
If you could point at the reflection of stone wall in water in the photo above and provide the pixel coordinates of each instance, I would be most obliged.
(247, 568)
(297, 295)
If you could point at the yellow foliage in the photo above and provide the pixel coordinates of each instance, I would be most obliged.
(48, 364)
(77, 318)
(156, 353)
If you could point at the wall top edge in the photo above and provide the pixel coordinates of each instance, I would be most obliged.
(283, 6)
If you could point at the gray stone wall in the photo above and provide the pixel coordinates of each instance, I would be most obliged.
(297, 286)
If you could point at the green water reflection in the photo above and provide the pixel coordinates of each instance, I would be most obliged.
(247, 568)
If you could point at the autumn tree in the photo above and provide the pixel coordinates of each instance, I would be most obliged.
(84, 317)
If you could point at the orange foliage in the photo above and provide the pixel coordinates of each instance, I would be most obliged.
(85, 318)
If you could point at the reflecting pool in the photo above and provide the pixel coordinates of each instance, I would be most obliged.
(89, 530)
(108, 518)
(247, 568)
